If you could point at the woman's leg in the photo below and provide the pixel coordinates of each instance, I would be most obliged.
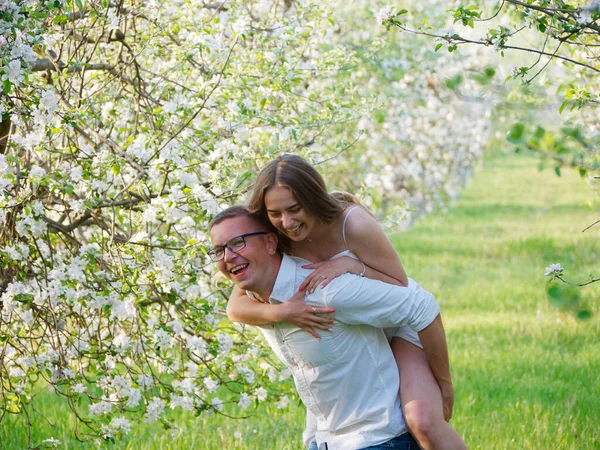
(422, 400)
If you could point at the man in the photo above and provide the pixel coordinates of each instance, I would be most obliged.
(348, 380)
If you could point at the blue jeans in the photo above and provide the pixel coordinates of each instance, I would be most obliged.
(403, 442)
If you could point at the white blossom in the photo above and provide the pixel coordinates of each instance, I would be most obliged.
(385, 14)
(183, 401)
(217, 404)
(79, 388)
(36, 172)
(27, 317)
(211, 385)
(49, 101)
(245, 401)
(77, 206)
(154, 410)
(100, 408)
(197, 345)
(283, 402)
(122, 424)
(554, 270)
(261, 394)
(13, 72)
(145, 381)
(225, 343)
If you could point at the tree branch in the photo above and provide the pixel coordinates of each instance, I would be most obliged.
(46, 64)
(456, 39)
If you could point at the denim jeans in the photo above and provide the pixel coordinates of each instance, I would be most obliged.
(403, 442)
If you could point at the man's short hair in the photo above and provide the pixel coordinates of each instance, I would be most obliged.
(238, 211)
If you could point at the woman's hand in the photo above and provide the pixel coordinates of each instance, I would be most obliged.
(447, 400)
(297, 312)
(328, 270)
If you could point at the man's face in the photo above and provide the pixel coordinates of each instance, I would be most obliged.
(252, 268)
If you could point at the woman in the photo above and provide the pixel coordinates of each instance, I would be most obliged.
(339, 236)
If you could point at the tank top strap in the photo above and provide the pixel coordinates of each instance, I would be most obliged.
(344, 225)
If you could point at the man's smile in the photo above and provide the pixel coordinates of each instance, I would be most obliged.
(238, 269)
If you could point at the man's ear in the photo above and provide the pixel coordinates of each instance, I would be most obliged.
(272, 241)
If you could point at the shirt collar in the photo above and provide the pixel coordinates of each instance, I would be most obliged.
(284, 287)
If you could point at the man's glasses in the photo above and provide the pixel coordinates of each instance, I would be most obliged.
(234, 245)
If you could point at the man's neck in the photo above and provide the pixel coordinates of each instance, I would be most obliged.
(263, 293)
(263, 298)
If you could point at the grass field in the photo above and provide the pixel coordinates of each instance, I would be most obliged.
(526, 373)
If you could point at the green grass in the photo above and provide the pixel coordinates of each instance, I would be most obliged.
(526, 373)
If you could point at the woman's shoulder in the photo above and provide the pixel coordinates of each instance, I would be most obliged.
(358, 222)
(355, 213)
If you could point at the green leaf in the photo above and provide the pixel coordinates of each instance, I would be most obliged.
(62, 18)
(575, 133)
(454, 82)
(563, 106)
(515, 135)
(79, 4)
(379, 115)
(437, 47)
(6, 86)
(481, 79)
(584, 314)
(539, 132)
(557, 170)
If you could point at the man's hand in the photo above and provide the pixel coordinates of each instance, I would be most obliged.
(297, 312)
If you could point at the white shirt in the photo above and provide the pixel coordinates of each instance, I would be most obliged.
(349, 379)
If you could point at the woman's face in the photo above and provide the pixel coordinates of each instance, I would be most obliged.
(287, 215)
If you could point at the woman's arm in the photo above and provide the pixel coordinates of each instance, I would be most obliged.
(242, 308)
(366, 239)
(377, 258)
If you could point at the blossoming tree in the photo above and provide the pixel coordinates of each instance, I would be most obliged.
(559, 69)
(127, 125)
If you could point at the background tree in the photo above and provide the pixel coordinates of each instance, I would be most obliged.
(554, 49)
(127, 125)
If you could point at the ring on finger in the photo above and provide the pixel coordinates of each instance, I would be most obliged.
(322, 276)
(314, 310)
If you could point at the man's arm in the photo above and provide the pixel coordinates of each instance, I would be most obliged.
(433, 339)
